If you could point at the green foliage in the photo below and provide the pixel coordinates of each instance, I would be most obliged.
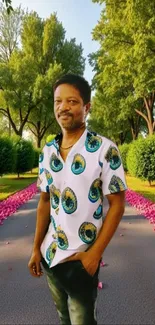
(8, 4)
(37, 152)
(124, 151)
(25, 156)
(133, 157)
(141, 159)
(28, 74)
(8, 156)
(10, 26)
(124, 63)
(103, 119)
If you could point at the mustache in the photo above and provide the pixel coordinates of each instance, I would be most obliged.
(64, 114)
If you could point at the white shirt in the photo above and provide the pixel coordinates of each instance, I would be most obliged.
(93, 168)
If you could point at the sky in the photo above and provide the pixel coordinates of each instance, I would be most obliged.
(78, 17)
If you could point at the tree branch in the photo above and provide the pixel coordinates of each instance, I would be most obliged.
(4, 112)
(148, 110)
(45, 129)
(20, 114)
(123, 41)
(33, 132)
(12, 122)
(142, 114)
(32, 124)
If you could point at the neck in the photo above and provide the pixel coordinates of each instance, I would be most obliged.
(69, 135)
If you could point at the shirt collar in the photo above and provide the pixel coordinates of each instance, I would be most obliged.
(79, 143)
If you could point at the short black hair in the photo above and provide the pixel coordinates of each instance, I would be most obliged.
(79, 83)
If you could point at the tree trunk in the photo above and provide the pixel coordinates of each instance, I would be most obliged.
(9, 129)
(134, 125)
(150, 127)
(134, 137)
(150, 182)
(148, 117)
(122, 136)
(39, 138)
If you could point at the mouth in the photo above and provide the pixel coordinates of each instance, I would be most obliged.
(64, 116)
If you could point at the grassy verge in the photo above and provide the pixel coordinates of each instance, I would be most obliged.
(10, 184)
(141, 187)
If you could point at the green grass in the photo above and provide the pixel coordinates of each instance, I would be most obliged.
(10, 184)
(141, 187)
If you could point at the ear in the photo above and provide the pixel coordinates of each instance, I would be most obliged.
(87, 108)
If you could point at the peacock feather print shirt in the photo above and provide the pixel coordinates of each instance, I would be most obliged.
(93, 169)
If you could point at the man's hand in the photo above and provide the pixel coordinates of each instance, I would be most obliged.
(34, 263)
(90, 261)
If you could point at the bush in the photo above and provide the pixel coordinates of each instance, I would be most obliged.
(124, 151)
(25, 156)
(37, 152)
(8, 156)
(141, 159)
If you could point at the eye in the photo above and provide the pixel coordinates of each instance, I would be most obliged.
(57, 101)
(73, 102)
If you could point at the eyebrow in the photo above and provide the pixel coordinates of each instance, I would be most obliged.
(58, 97)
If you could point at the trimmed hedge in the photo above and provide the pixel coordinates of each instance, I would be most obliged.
(141, 159)
(123, 152)
(25, 156)
(8, 156)
(36, 157)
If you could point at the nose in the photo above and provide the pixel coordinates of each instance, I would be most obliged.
(64, 106)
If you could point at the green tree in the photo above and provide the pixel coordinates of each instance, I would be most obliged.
(8, 156)
(25, 156)
(8, 4)
(103, 118)
(125, 62)
(27, 79)
(10, 28)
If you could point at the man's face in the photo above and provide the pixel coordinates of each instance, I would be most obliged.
(69, 108)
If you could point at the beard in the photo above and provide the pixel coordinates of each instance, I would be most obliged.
(70, 124)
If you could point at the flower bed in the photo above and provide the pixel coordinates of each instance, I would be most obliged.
(143, 205)
(12, 203)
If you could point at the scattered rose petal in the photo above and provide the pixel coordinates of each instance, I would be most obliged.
(7, 243)
(100, 285)
(144, 206)
(13, 202)
(102, 264)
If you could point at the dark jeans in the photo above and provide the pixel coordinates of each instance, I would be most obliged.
(74, 292)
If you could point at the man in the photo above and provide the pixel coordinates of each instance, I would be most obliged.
(76, 170)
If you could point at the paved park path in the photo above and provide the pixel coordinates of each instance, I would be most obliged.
(128, 295)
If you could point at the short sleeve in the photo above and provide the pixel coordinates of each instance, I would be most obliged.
(113, 176)
(42, 181)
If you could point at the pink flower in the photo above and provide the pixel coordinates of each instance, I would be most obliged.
(102, 264)
(100, 285)
(12, 203)
(143, 205)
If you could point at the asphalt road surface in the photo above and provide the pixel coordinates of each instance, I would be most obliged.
(128, 294)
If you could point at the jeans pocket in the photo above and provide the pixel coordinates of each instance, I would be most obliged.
(83, 268)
